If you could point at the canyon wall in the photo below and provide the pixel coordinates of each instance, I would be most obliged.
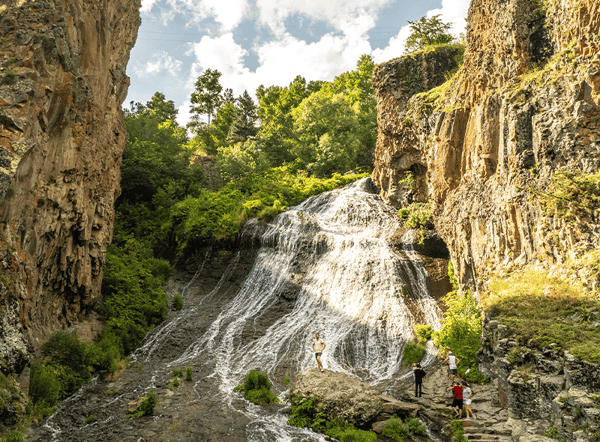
(63, 80)
(486, 147)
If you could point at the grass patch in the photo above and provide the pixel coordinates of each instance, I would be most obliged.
(257, 388)
(540, 309)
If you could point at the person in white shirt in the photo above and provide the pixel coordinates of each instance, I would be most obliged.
(318, 347)
(452, 362)
(467, 394)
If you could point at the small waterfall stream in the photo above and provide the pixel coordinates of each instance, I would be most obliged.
(325, 266)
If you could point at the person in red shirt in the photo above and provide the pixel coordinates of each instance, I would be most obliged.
(457, 403)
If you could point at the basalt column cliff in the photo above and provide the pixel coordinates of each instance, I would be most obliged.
(62, 71)
(492, 147)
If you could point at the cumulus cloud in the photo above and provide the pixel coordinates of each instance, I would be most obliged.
(228, 13)
(336, 12)
(161, 61)
(455, 12)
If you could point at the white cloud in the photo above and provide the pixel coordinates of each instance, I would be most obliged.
(394, 49)
(147, 5)
(184, 115)
(228, 13)
(161, 61)
(455, 12)
(336, 12)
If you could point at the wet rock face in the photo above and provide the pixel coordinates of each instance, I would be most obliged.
(62, 75)
(499, 136)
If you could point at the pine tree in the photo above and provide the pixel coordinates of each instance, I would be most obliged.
(244, 120)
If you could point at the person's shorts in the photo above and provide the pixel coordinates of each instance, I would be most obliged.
(318, 354)
(457, 403)
(467, 401)
(452, 371)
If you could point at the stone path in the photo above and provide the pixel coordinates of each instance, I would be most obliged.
(491, 423)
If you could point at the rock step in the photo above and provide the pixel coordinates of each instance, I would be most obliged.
(487, 437)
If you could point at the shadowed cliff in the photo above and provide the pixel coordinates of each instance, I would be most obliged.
(62, 135)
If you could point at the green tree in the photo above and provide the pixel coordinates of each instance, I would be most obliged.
(243, 125)
(206, 98)
(328, 135)
(275, 106)
(428, 31)
(241, 160)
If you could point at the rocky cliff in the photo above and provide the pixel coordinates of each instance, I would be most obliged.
(488, 147)
(507, 153)
(62, 71)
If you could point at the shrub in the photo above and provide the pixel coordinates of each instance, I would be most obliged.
(413, 353)
(553, 433)
(91, 418)
(257, 388)
(286, 380)
(177, 373)
(420, 216)
(146, 408)
(302, 411)
(423, 332)
(456, 428)
(461, 331)
(15, 436)
(177, 302)
(44, 387)
(395, 430)
(68, 350)
(415, 426)
(188, 374)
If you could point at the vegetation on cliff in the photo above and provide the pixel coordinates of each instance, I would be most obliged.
(540, 310)
(257, 388)
(304, 414)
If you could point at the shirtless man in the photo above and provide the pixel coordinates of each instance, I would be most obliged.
(318, 347)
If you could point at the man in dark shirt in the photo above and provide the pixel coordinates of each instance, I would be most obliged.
(457, 403)
(419, 375)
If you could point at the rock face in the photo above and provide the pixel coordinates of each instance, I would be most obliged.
(541, 390)
(343, 396)
(485, 145)
(62, 135)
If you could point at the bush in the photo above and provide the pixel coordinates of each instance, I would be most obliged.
(44, 387)
(146, 408)
(177, 302)
(423, 332)
(188, 374)
(302, 411)
(67, 350)
(15, 436)
(461, 331)
(456, 428)
(394, 429)
(413, 353)
(257, 388)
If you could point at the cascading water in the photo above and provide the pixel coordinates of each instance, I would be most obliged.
(329, 260)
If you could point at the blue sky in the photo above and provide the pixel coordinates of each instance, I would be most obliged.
(269, 42)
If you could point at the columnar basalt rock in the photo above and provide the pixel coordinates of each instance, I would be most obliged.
(525, 104)
(62, 69)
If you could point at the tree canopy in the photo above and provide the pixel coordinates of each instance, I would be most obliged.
(426, 32)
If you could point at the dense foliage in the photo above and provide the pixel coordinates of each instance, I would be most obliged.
(257, 388)
(220, 214)
(304, 414)
(397, 430)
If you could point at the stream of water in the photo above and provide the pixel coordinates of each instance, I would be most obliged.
(331, 261)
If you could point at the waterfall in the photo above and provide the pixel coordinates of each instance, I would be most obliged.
(325, 266)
